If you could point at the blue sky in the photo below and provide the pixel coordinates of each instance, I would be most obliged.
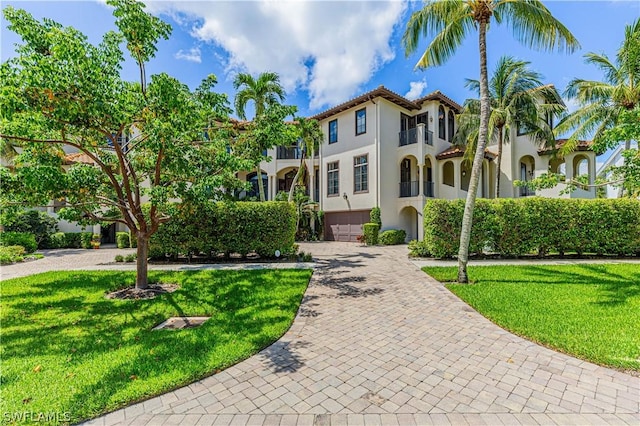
(328, 52)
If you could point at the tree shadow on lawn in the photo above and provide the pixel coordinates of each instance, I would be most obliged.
(113, 341)
(616, 287)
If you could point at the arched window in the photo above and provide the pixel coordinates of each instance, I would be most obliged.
(452, 126)
(254, 191)
(447, 174)
(441, 125)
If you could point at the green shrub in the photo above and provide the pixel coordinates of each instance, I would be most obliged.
(374, 216)
(418, 249)
(26, 240)
(130, 258)
(11, 254)
(123, 240)
(57, 240)
(442, 223)
(392, 236)
(119, 258)
(371, 233)
(213, 228)
(35, 222)
(515, 227)
(85, 240)
(133, 240)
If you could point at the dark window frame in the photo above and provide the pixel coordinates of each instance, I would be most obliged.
(330, 173)
(442, 128)
(451, 125)
(361, 127)
(331, 134)
(363, 169)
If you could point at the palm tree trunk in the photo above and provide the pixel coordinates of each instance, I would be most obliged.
(627, 147)
(260, 183)
(485, 110)
(499, 161)
(292, 190)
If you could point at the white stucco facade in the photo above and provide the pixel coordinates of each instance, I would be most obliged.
(409, 159)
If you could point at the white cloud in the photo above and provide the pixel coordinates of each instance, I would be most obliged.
(416, 89)
(193, 55)
(572, 105)
(328, 48)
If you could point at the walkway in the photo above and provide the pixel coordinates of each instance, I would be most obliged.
(378, 342)
(104, 259)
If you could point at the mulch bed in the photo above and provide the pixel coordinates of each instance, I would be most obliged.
(132, 293)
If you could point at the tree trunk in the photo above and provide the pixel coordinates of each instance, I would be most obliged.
(142, 279)
(485, 110)
(499, 161)
(627, 147)
(260, 183)
(292, 190)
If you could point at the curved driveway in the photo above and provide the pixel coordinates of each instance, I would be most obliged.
(376, 341)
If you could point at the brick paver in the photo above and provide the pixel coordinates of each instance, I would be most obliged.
(376, 341)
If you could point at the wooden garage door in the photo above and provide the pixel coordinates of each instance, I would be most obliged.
(344, 226)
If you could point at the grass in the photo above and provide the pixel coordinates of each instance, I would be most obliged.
(589, 311)
(67, 349)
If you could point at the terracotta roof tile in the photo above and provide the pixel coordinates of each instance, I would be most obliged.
(582, 146)
(77, 157)
(391, 96)
(458, 151)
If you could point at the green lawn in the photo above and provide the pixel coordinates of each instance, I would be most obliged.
(589, 311)
(67, 349)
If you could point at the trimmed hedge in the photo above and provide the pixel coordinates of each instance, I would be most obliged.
(374, 216)
(241, 227)
(11, 254)
(65, 240)
(85, 239)
(123, 240)
(515, 227)
(24, 239)
(370, 231)
(392, 237)
(418, 249)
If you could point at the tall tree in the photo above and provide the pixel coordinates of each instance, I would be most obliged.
(602, 102)
(450, 21)
(148, 143)
(309, 140)
(264, 91)
(519, 103)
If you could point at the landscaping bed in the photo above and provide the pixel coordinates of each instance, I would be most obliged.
(68, 349)
(589, 311)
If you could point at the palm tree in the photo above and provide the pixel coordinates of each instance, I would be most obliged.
(264, 91)
(601, 102)
(518, 101)
(449, 22)
(309, 142)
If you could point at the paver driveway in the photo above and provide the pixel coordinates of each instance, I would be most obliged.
(376, 341)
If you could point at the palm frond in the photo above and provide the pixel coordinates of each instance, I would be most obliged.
(534, 25)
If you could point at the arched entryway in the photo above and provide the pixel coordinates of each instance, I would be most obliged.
(409, 222)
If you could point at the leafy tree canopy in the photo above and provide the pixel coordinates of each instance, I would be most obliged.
(139, 143)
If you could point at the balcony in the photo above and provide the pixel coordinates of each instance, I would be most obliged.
(428, 137)
(429, 189)
(408, 137)
(287, 153)
(526, 192)
(409, 189)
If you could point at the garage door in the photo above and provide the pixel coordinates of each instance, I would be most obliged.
(344, 226)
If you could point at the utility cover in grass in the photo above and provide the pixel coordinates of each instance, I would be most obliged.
(179, 323)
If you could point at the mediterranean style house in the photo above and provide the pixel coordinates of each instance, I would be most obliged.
(384, 150)
(381, 149)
